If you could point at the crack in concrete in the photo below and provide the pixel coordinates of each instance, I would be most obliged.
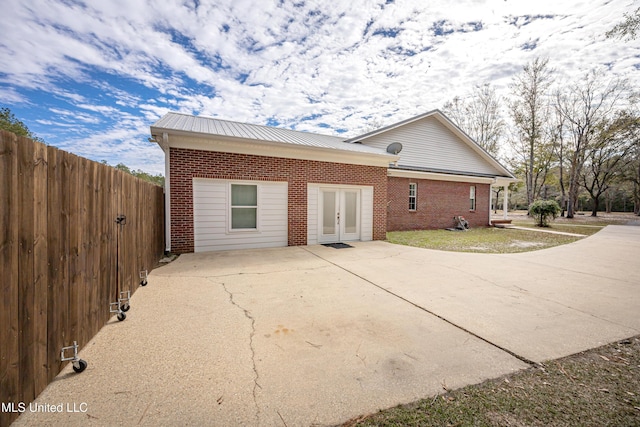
(256, 376)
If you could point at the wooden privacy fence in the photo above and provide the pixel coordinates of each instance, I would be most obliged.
(63, 258)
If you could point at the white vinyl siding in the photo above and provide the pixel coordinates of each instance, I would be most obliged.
(312, 214)
(366, 214)
(427, 143)
(212, 216)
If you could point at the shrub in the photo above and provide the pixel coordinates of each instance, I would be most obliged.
(542, 210)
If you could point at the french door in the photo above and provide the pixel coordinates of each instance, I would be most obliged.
(339, 215)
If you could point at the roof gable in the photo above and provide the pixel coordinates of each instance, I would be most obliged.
(432, 143)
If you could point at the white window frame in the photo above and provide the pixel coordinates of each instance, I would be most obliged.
(413, 196)
(230, 207)
(472, 198)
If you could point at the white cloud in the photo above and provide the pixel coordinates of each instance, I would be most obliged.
(350, 63)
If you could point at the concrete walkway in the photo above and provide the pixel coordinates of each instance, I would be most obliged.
(541, 230)
(313, 335)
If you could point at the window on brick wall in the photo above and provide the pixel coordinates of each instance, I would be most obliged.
(472, 197)
(244, 207)
(413, 196)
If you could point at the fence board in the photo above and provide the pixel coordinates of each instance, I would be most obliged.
(93, 257)
(62, 257)
(126, 253)
(104, 194)
(57, 259)
(113, 232)
(63, 315)
(25, 268)
(40, 267)
(75, 247)
(9, 360)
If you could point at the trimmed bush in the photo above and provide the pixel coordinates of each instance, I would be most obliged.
(542, 210)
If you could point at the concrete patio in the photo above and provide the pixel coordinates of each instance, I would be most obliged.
(302, 336)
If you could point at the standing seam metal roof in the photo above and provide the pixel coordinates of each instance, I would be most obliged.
(213, 126)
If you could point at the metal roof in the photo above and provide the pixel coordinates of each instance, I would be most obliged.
(212, 126)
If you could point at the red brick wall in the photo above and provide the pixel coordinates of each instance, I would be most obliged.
(187, 164)
(437, 203)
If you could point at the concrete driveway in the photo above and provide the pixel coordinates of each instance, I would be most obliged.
(313, 335)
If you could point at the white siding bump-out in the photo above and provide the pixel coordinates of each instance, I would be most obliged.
(211, 216)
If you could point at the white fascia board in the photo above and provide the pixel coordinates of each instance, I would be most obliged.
(399, 173)
(504, 181)
(275, 149)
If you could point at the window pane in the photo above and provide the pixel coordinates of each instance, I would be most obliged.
(328, 212)
(472, 197)
(350, 212)
(244, 195)
(243, 218)
(412, 197)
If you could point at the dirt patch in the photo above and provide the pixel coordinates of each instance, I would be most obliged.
(523, 244)
(478, 248)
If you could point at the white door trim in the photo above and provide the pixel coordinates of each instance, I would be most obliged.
(339, 214)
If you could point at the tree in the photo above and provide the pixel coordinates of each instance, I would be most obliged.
(586, 105)
(628, 28)
(479, 117)
(155, 179)
(530, 111)
(631, 172)
(559, 147)
(9, 122)
(607, 158)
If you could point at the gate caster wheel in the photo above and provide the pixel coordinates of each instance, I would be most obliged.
(121, 316)
(79, 366)
(143, 283)
(125, 307)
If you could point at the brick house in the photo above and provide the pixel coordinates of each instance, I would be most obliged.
(235, 186)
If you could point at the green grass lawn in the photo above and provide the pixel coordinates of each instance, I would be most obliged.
(485, 239)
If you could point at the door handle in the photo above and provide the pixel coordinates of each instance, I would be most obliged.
(338, 218)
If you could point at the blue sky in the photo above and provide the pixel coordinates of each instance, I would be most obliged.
(91, 77)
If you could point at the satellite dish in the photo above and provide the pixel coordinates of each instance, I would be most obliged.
(394, 148)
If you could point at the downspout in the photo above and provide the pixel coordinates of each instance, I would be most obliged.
(167, 191)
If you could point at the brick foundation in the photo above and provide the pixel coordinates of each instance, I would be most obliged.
(437, 203)
(186, 164)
